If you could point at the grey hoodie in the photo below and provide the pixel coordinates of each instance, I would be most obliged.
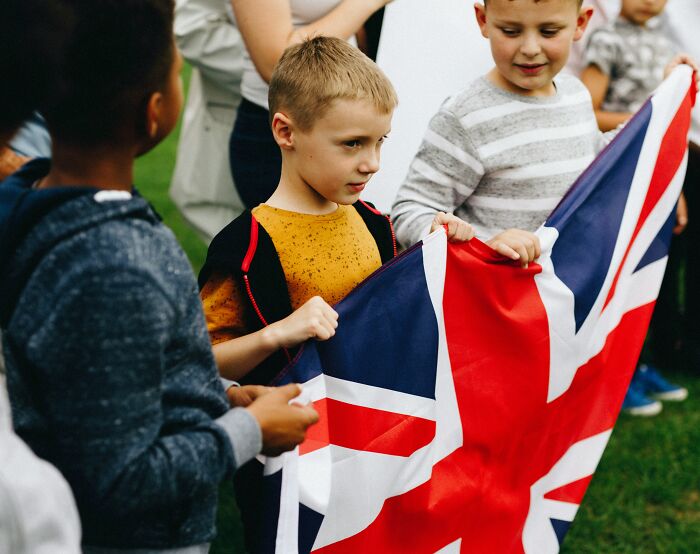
(109, 366)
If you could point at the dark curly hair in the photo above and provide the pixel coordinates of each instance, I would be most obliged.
(120, 52)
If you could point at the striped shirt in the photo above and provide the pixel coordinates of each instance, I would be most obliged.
(498, 160)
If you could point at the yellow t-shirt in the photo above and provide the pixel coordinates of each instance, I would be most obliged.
(321, 255)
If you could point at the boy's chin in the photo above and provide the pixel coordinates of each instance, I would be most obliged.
(146, 147)
(149, 143)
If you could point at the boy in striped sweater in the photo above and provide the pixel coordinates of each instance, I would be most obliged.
(504, 151)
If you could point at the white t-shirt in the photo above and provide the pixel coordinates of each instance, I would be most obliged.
(253, 86)
(681, 21)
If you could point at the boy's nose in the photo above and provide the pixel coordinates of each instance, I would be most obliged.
(370, 164)
(530, 46)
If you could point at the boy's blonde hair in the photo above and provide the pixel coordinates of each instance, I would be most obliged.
(311, 75)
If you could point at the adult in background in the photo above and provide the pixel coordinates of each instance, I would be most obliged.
(37, 510)
(268, 27)
(681, 21)
(201, 186)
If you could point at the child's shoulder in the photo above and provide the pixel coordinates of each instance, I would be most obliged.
(612, 33)
(481, 98)
(570, 85)
(477, 96)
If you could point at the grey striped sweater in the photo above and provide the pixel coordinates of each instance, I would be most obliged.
(498, 160)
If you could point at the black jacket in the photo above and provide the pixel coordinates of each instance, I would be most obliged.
(244, 250)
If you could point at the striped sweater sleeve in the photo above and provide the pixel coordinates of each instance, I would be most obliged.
(443, 174)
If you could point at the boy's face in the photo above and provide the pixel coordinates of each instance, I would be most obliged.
(641, 11)
(165, 105)
(340, 153)
(530, 41)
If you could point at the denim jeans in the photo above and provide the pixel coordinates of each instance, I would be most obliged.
(256, 162)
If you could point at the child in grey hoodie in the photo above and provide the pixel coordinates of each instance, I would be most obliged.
(110, 371)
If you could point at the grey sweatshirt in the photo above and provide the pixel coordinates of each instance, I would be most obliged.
(109, 367)
(497, 159)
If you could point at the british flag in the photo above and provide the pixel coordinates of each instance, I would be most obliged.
(465, 402)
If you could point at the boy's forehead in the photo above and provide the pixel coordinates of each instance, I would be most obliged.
(516, 9)
(352, 116)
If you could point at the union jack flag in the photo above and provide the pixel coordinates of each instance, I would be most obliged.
(465, 402)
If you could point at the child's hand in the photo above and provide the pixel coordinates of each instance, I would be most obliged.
(517, 244)
(314, 319)
(283, 425)
(681, 215)
(10, 162)
(682, 59)
(245, 395)
(458, 230)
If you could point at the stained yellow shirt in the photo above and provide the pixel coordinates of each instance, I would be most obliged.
(321, 255)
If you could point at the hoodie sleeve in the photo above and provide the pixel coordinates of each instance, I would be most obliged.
(133, 419)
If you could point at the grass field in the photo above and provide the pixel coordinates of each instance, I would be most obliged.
(645, 496)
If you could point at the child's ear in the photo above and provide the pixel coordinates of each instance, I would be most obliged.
(283, 131)
(480, 12)
(584, 16)
(153, 109)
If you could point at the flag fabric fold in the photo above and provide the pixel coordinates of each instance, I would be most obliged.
(465, 402)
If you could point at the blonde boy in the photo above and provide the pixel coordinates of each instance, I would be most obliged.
(272, 274)
(503, 152)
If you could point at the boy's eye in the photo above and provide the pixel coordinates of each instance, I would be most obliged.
(549, 32)
(383, 138)
(509, 32)
(352, 143)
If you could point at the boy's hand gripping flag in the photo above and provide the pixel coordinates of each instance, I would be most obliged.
(466, 402)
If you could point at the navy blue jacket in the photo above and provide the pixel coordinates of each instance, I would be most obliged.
(109, 365)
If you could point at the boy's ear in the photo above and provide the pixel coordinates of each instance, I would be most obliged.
(480, 12)
(283, 131)
(584, 16)
(153, 109)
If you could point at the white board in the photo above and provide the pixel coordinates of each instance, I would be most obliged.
(429, 49)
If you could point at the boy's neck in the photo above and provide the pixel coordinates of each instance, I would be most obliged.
(631, 21)
(105, 167)
(499, 81)
(295, 195)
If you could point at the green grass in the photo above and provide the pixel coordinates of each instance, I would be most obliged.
(645, 496)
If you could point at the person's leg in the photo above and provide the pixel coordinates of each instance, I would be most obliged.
(665, 328)
(256, 162)
(692, 262)
(249, 490)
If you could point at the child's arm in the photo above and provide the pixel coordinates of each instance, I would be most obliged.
(681, 215)
(314, 319)
(101, 357)
(597, 84)
(444, 173)
(604, 51)
(10, 162)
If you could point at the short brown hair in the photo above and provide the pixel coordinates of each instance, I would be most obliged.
(311, 75)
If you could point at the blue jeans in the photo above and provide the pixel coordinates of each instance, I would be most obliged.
(256, 162)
